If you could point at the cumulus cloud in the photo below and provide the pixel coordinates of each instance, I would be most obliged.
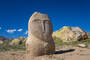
(19, 30)
(26, 32)
(11, 31)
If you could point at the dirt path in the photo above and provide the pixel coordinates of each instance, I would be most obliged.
(74, 53)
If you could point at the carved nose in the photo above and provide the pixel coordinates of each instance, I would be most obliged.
(43, 26)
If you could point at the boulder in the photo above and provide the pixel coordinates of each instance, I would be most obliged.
(67, 34)
(18, 41)
(1, 42)
(15, 42)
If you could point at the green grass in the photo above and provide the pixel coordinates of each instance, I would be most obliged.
(73, 43)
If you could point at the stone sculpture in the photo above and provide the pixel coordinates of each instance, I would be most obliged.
(40, 40)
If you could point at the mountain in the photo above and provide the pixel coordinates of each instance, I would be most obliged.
(2, 38)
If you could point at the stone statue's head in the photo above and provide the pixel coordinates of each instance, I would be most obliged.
(40, 26)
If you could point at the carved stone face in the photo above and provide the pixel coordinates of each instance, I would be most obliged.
(41, 28)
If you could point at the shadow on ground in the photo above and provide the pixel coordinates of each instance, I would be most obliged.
(64, 51)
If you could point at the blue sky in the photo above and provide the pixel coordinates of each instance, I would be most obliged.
(14, 14)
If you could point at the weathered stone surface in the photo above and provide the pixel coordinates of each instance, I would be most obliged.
(70, 34)
(40, 40)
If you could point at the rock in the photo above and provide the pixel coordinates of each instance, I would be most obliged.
(82, 45)
(40, 40)
(14, 42)
(21, 38)
(89, 35)
(18, 41)
(1, 42)
(70, 34)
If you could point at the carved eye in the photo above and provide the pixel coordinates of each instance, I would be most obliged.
(37, 21)
(46, 21)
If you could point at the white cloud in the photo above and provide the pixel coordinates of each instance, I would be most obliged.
(19, 30)
(11, 31)
(26, 32)
(0, 28)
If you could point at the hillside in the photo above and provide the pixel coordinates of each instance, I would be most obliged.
(67, 34)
